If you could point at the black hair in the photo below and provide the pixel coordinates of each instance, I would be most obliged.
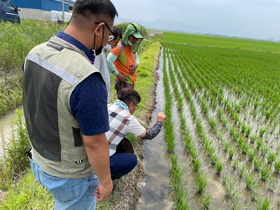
(87, 8)
(128, 95)
(117, 32)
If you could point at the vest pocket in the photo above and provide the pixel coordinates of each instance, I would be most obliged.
(78, 156)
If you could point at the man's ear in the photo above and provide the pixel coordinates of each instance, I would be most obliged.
(99, 29)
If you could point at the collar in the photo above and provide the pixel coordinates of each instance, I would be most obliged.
(121, 104)
(71, 40)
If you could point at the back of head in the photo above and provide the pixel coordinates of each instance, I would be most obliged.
(117, 32)
(87, 9)
(128, 95)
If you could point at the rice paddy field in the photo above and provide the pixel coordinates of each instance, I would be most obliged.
(222, 132)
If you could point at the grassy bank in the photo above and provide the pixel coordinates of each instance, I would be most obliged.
(16, 40)
(19, 189)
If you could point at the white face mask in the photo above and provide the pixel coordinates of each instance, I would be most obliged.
(129, 43)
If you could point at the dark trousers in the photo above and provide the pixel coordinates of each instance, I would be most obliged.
(121, 164)
(121, 85)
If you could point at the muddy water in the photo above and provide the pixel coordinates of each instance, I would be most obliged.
(155, 186)
(6, 122)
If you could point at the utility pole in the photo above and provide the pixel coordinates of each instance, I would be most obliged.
(63, 9)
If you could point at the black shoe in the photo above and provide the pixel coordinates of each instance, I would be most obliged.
(114, 186)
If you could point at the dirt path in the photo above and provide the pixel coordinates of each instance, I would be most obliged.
(129, 185)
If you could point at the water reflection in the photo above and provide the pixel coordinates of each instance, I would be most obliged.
(156, 186)
(6, 122)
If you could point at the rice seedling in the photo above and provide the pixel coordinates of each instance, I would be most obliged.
(263, 204)
(253, 139)
(219, 167)
(235, 164)
(244, 147)
(248, 131)
(265, 172)
(272, 185)
(213, 159)
(205, 202)
(251, 181)
(242, 171)
(271, 157)
(264, 150)
(259, 143)
(231, 152)
(229, 187)
(201, 181)
(196, 164)
(261, 132)
(258, 164)
(234, 205)
(251, 155)
(277, 166)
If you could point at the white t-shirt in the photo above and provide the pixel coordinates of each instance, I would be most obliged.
(121, 123)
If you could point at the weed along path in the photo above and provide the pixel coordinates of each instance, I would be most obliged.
(155, 186)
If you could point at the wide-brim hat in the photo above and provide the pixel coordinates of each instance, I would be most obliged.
(136, 30)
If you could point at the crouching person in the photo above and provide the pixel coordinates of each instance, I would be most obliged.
(122, 122)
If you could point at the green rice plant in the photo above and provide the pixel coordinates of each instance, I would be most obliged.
(226, 146)
(231, 152)
(229, 187)
(265, 172)
(253, 139)
(259, 143)
(251, 155)
(242, 171)
(224, 121)
(251, 181)
(235, 164)
(263, 204)
(258, 163)
(205, 202)
(192, 150)
(248, 131)
(261, 132)
(243, 128)
(213, 125)
(244, 147)
(211, 150)
(219, 167)
(196, 164)
(272, 185)
(201, 181)
(214, 158)
(234, 205)
(277, 166)
(271, 157)
(264, 150)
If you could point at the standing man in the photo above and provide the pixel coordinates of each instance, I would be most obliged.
(101, 60)
(65, 107)
(123, 60)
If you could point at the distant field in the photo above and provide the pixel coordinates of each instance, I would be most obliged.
(222, 42)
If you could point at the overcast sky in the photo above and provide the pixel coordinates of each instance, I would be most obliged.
(247, 18)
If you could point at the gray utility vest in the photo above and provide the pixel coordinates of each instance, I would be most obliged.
(52, 71)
